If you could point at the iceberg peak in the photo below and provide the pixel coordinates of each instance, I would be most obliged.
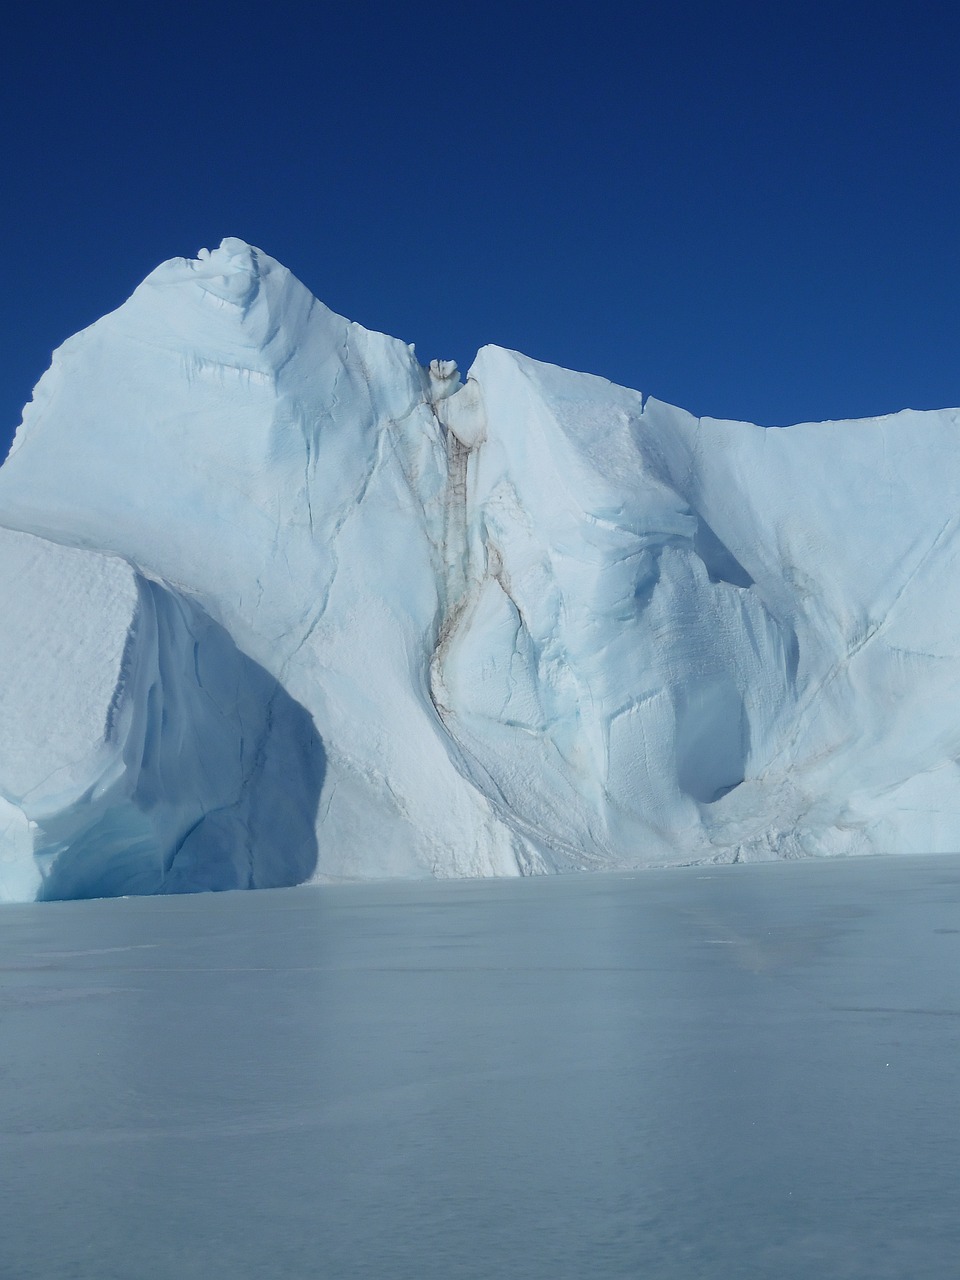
(231, 272)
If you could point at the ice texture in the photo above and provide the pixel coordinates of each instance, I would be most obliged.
(280, 603)
(140, 750)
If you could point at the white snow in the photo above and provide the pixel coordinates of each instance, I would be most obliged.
(525, 622)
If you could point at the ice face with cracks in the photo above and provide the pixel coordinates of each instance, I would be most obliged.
(530, 622)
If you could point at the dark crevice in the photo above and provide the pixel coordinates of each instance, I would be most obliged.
(721, 564)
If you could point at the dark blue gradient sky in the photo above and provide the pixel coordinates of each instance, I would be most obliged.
(748, 209)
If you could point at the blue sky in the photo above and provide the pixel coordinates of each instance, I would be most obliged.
(746, 209)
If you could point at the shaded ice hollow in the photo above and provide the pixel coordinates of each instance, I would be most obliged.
(279, 604)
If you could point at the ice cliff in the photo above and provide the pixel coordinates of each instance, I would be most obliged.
(280, 603)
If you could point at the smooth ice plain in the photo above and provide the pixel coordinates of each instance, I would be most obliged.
(700, 1072)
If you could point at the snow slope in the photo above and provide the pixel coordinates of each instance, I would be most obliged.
(528, 623)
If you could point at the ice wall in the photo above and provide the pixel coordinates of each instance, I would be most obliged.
(526, 623)
(140, 750)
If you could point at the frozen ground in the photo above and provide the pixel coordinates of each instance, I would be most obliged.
(740, 1071)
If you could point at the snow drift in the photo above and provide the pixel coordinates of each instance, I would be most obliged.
(279, 602)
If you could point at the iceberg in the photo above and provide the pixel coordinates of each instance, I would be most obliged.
(280, 603)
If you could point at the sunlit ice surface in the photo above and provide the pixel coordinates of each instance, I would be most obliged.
(730, 1071)
(282, 604)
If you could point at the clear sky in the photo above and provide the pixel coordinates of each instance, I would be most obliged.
(749, 209)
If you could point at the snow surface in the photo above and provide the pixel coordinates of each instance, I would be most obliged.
(279, 603)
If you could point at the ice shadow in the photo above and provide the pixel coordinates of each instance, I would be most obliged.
(222, 772)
